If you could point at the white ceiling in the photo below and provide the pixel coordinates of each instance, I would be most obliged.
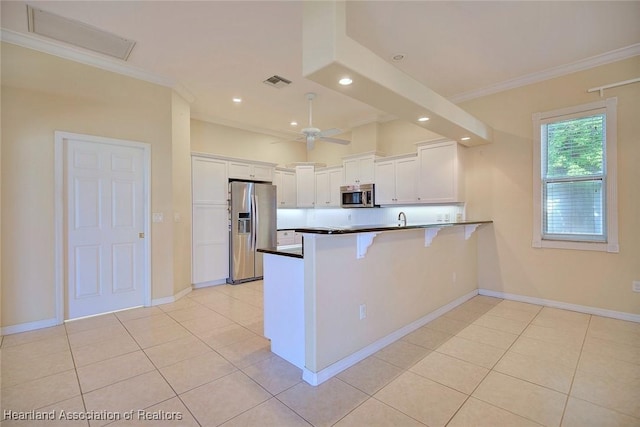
(217, 50)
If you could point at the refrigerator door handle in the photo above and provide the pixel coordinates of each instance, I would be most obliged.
(254, 215)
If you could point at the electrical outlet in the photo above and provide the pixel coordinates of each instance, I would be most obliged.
(363, 311)
(158, 217)
(635, 286)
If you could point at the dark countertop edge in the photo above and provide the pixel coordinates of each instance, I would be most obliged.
(366, 229)
(290, 253)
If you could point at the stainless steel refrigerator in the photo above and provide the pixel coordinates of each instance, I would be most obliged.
(252, 210)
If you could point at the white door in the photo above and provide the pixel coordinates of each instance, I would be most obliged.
(105, 218)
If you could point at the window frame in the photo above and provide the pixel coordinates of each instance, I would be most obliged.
(607, 107)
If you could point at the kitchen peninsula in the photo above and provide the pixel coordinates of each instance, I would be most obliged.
(353, 290)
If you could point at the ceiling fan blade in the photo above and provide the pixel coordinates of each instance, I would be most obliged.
(335, 140)
(331, 132)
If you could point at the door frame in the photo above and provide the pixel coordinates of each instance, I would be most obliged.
(61, 198)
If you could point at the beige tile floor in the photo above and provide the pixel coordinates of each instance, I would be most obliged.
(488, 362)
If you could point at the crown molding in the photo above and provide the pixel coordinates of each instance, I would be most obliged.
(64, 51)
(581, 65)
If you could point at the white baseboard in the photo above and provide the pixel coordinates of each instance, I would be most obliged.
(30, 326)
(317, 378)
(620, 315)
(47, 323)
(173, 298)
(208, 284)
(186, 291)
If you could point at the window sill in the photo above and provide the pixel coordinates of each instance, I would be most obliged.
(581, 246)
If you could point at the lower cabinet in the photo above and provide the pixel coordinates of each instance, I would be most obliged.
(210, 244)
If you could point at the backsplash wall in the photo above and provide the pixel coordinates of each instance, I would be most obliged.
(292, 218)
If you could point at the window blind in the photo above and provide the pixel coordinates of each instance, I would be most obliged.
(573, 176)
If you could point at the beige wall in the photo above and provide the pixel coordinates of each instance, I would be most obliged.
(181, 180)
(499, 187)
(419, 281)
(399, 137)
(222, 140)
(42, 94)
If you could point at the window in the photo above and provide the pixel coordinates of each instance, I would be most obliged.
(575, 178)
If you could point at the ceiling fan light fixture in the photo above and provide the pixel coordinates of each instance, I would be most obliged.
(311, 133)
(345, 81)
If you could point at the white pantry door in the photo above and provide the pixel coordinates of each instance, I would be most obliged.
(105, 227)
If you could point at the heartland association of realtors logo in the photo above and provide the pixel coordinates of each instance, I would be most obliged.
(62, 415)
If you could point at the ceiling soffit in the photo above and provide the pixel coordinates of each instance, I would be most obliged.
(329, 54)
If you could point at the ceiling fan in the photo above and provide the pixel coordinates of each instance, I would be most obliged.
(311, 134)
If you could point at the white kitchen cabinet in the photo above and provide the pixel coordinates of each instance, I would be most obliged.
(328, 182)
(250, 171)
(210, 244)
(285, 181)
(441, 172)
(209, 181)
(396, 180)
(359, 169)
(305, 186)
(210, 220)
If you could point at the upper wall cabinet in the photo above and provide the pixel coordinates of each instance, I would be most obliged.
(396, 180)
(328, 182)
(359, 169)
(285, 180)
(440, 172)
(305, 186)
(209, 181)
(251, 171)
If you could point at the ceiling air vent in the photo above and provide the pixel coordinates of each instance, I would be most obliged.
(78, 34)
(277, 82)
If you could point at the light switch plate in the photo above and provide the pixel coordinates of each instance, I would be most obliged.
(158, 217)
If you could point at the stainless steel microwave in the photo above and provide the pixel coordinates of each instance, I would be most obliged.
(357, 196)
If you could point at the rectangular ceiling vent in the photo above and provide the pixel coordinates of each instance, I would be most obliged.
(78, 34)
(277, 82)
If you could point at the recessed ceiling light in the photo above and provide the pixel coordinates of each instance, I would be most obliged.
(465, 138)
(294, 123)
(237, 100)
(398, 57)
(423, 119)
(345, 81)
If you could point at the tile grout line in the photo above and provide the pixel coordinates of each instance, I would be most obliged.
(236, 368)
(575, 371)
(492, 370)
(75, 370)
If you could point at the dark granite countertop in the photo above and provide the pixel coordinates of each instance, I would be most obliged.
(297, 251)
(294, 251)
(382, 227)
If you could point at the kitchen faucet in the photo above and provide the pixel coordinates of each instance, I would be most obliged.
(404, 219)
